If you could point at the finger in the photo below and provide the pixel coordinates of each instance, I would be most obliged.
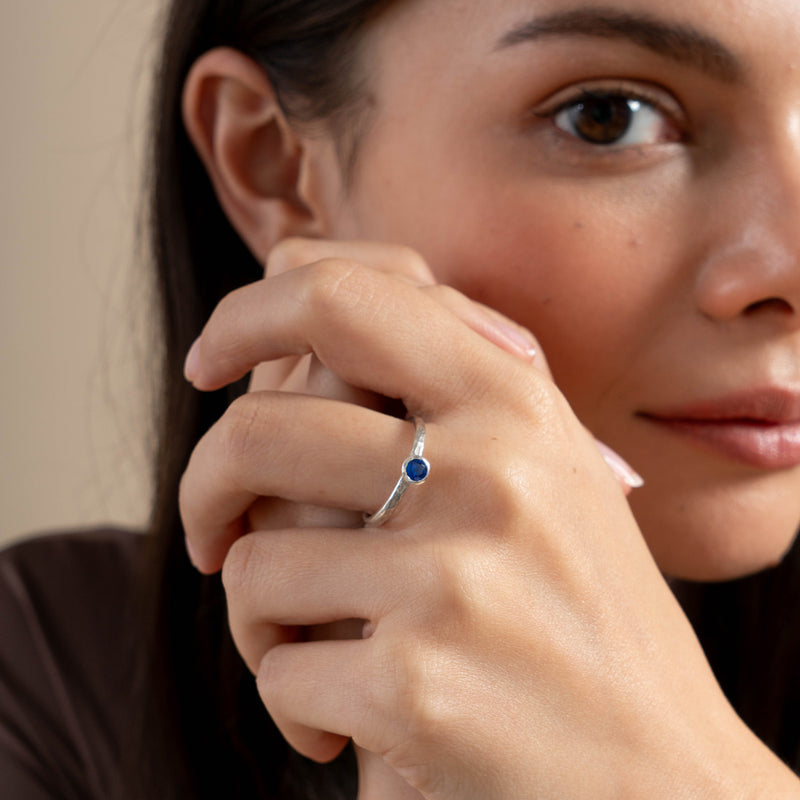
(296, 252)
(318, 687)
(371, 330)
(307, 577)
(398, 261)
(288, 374)
(310, 376)
(289, 446)
(625, 474)
(389, 258)
(275, 513)
(491, 325)
(307, 375)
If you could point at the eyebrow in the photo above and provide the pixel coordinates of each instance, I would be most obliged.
(678, 42)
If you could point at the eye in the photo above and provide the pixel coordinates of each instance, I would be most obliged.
(614, 119)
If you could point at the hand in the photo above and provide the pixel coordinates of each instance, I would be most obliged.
(517, 625)
(306, 375)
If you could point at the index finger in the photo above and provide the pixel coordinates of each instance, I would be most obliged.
(373, 331)
(393, 259)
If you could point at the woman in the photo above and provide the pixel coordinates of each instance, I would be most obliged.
(621, 181)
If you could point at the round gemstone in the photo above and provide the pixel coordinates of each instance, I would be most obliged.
(417, 469)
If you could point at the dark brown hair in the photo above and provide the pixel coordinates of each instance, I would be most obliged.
(203, 732)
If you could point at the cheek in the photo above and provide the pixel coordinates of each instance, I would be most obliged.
(595, 267)
(587, 271)
(570, 272)
(604, 282)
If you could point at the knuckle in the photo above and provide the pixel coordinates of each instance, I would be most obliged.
(236, 569)
(272, 675)
(338, 286)
(346, 301)
(244, 563)
(511, 487)
(457, 579)
(396, 673)
(418, 678)
(502, 480)
(538, 399)
(243, 430)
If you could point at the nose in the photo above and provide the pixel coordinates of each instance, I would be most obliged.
(754, 276)
(752, 268)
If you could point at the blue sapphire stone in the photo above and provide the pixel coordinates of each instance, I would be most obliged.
(417, 470)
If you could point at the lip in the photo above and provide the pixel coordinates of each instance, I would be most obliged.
(759, 428)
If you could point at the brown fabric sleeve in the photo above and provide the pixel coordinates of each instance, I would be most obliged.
(65, 654)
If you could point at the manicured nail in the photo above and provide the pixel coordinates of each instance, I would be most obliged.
(506, 335)
(521, 339)
(620, 467)
(190, 366)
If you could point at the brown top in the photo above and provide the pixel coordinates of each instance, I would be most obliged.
(65, 664)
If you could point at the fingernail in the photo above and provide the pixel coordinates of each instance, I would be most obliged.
(192, 363)
(521, 341)
(620, 467)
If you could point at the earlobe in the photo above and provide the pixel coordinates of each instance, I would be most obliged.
(252, 154)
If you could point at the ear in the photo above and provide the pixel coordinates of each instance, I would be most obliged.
(256, 161)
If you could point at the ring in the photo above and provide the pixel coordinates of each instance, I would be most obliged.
(415, 470)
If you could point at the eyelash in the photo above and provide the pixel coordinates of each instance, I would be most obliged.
(671, 113)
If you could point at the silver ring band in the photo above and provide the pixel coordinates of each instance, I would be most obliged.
(415, 470)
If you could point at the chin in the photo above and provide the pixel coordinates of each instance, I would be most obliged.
(713, 564)
(698, 541)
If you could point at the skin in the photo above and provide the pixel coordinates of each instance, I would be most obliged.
(652, 275)
(590, 248)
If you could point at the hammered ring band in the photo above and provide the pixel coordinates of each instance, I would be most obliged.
(415, 470)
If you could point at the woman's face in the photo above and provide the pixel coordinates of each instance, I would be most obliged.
(624, 180)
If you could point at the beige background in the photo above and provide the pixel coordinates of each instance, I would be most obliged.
(74, 75)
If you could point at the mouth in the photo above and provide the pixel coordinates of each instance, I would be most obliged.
(759, 428)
